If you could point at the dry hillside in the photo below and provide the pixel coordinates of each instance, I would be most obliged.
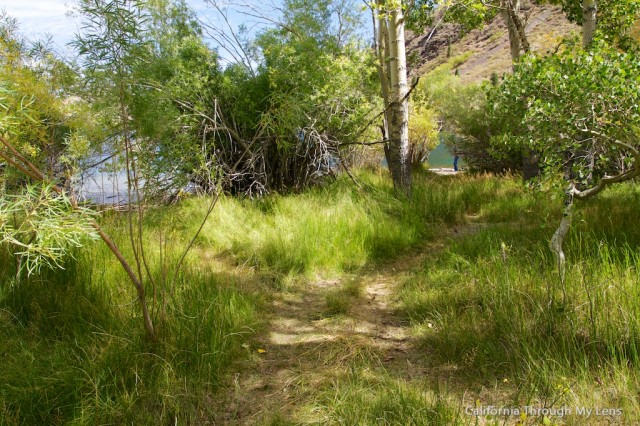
(485, 51)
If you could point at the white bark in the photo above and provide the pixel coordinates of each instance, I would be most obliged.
(589, 19)
(393, 75)
(558, 237)
(572, 193)
(514, 38)
(383, 62)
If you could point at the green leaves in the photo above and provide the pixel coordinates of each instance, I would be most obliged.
(43, 227)
(318, 75)
(572, 106)
(471, 14)
(615, 18)
(38, 107)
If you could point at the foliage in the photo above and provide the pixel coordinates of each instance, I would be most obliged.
(467, 124)
(38, 110)
(153, 79)
(173, 100)
(418, 13)
(477, 303)
(574, 107)
(472, 14)
(72, 351)
(423, 131)
(43, 227)
(276, 126)
(314, 82)
(320, 84)
(42, 125)
(615, 18)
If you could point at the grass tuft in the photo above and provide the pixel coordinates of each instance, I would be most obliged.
(492, 302)
(489, 308)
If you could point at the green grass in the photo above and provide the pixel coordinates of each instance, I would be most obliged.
(72, 340)
(335, 229)
(362, 397)
(74, 349)
(492, 302)
(487, 307)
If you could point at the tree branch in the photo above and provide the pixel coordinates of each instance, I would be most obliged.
(608, 180)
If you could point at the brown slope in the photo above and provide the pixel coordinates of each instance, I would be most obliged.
(486, 50)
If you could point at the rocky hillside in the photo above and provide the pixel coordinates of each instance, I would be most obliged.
(484, 51)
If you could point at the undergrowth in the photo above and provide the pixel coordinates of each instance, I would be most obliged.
(489, 308)
(72, 340)
(74, 350)
(492, 304)
(338, 228)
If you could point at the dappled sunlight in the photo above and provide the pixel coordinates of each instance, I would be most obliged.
(311, 342)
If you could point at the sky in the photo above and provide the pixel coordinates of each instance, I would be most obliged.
(38, 18)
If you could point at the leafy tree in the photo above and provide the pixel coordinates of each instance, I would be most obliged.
(310, 93)
(391, 18)
(578, 106)
(46, 122)
(315, 75)
(113, 45)
(172, 102)
(471, 14)
(423, 131)
(613, 19)
(44, 132)
(580, 111)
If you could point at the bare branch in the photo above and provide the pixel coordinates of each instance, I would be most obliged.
(608, 180)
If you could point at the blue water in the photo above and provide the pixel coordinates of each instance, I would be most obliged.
(439, 158)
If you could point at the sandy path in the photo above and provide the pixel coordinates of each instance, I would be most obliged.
(305, 347)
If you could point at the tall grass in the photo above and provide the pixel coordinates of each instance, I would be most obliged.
(74, 351)
(338, 228)
(493, 304)
(73, 348)
(72, 342)
(363, 397)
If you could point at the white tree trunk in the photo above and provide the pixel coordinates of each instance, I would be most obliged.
(397, 112)
(558, 237)
(589, 19)
(514, 38)
(382, 50)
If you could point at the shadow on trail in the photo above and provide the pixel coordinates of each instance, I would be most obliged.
(308, 352)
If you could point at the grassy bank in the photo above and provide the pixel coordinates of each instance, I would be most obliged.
(492, 307)
(339, 228)
(492, 323)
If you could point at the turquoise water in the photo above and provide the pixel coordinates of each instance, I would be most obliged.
(440, 157)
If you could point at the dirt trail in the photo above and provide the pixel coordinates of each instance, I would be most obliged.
(306, 347)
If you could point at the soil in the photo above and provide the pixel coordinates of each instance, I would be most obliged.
(546, 25)
(304, 347)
